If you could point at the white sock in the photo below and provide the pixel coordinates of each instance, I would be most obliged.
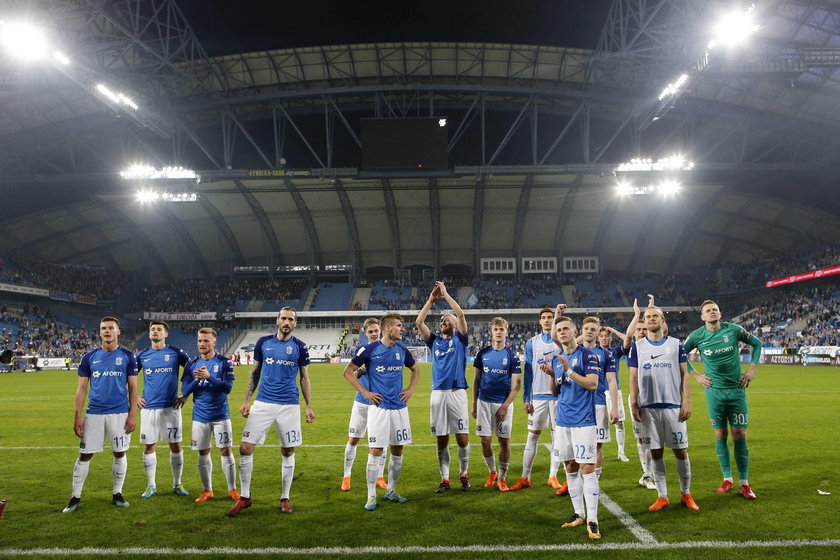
(649, 462)
(150, 464)
(620, 437)
(205, 471)
(530, 454)
(491, 463)
(743, 482)
(503, 469)
(591, 492)
(576, 492)
(349, 458)
(229, 468)
(684, 474)
(443, 462)
(597, 472)
(554, 466)
(372, 474)
(659, 477)
(288, 475)
(381, 463)
(80, 473)
(119, 469)
(642, 459)
(394, 469)
(246, 467)
(464, 459)
(176, 461)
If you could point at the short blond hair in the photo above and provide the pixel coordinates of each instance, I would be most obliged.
(208, 330)
(499, 321)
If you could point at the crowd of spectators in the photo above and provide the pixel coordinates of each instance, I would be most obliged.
(219, 295)
(31, 331)
(802, 317)
(753, 274)
(79, 279)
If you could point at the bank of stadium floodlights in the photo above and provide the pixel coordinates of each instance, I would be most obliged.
(147, 174)
(27, 42)
(638, 176)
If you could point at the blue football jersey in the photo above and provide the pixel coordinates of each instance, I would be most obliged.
(108, 373)
(364, 379)
(385, 369)
(160, 375)
(606, 363)
(575, 405)
(280, 361)
(449, 361)
(497, 367)
(617, 352)
(210, 402)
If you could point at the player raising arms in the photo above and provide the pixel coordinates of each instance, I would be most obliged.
(359, 414)
(448, 411)
(388, 422)
(278, 360)
(574, 375)
(209, 378)
(498, 378)
(540, 404)
(110, 372)
(159, 419)
(726, 388)
(660, 398)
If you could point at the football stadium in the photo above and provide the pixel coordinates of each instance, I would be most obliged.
(419, 279)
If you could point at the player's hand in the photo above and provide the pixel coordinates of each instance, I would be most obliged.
(141, 402)
(245, 409)
(704, 381)
(130, 423)
(614, 416)
(529, 408)
(685, 412)
(546, 368)
(561, 307)
(636, 411)
(501, 413)
(375, 398)
(405, 395)
(179, 402)
(79, 427)
(746, 377)
(650, 300)
(636, 309)
(564, 361)
(474, 412)
(436, 295)
(201, 373)
(310, 415)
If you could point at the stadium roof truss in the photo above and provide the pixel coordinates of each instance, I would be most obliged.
(535, 134)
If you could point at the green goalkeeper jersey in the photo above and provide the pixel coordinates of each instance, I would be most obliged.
(719, 352)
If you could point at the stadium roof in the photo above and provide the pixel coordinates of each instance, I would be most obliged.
(536, 132)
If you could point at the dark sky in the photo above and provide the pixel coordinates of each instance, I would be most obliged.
(226, 27)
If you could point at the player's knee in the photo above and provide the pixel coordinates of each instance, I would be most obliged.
(246, 448)
(288, 451)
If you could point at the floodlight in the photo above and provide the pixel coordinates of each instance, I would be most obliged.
(23, 40)
(674, 87)
(624, 189)
(442, 122)
(116, 97)
(179, 197)
(677, 162)
(734, 29)
(61, 58)
(140, 171)
(669, 188)
(146, 197)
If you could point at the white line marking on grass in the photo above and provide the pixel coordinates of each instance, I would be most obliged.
(418, 549)
(644, 536)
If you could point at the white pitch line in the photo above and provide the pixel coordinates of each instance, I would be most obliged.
(230, 551)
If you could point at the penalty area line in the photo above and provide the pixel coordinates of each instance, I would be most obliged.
(93, 551)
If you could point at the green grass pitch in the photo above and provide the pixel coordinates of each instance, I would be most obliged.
(793, 447)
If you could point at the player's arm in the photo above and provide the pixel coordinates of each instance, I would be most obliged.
(685, 406)
(515, 384)
(420, 321)
(79, 405)
(253, 382)
(529, 376)
(476, 385)
(456, 309)
(412, 383)
(548, 369)
(633, 366)
(350, 376)
(131, 419)
(631, 328)
(141, 401)
(306, 391)
(613, 387)
(690, 345)
(755, 356)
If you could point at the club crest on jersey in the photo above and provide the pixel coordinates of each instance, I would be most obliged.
(216, 368)
(726, 338)
(574, 361)
(504, 361)
(397, 355)
(450, 342)
(289, 350)
(166, 357)
(119, 361)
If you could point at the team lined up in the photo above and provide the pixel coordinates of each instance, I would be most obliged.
(570, 387)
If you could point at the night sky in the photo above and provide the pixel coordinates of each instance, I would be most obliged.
(225, 27)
